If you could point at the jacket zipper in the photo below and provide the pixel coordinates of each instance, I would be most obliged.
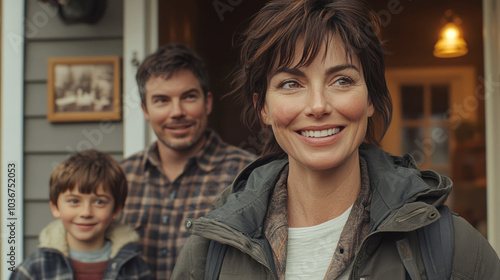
(255, 257)
(357, 260)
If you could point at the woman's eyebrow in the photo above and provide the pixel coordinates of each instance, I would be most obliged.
(338, 68)
(300, 73)
(292, 71)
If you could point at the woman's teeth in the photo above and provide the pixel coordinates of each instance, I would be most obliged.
(320, 133)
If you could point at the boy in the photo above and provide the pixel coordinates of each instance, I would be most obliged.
(87, 191)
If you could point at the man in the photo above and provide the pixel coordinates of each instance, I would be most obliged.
(179, 175)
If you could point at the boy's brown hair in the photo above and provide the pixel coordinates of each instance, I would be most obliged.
(88, 170)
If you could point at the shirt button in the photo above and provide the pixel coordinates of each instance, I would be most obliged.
(189, 224)
(164, 252)
(173, 194)
(165, 219)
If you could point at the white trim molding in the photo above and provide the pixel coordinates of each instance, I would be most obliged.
(140, 38)
(12, 51)
(491, 27)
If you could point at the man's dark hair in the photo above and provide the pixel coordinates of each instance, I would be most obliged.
(168, 60)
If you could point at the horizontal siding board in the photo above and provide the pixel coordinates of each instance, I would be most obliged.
(35, 104)
(37, 215)
(42, 136)
(42, 22)
(30, 245)
(37, 172)
(37, 53)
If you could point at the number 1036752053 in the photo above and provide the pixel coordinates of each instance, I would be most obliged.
(11, 188)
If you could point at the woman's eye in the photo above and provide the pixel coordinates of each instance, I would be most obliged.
(73, 201)
(289, 85)
(343, 82)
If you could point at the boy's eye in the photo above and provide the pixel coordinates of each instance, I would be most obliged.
(73, 201)
(100, 202)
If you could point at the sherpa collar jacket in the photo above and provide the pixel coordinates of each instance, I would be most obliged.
(404, 199)
(51, 259)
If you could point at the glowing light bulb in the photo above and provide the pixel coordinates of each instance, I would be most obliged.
(451, 33)
(451, 43)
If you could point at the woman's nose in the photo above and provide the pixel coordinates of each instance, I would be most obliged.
(319, 104)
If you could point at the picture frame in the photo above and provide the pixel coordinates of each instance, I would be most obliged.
(84, 89)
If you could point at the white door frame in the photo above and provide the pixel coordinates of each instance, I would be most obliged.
(491, 25)
(140, 39)
(12, 95)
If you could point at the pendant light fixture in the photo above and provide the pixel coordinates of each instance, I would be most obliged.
(451, 42)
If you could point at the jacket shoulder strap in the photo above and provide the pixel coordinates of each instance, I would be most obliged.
(215, 257)
(437, 242)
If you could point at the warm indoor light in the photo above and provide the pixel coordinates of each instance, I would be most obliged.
(451, 43)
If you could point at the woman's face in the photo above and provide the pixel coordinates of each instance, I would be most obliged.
(319, 113)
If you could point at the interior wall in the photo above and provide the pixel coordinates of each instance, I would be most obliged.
(410, 29)
(47, 144)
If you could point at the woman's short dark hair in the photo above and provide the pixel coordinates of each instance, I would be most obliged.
(168, 60)
(270, 42)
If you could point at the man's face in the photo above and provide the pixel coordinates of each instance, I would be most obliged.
(177, 110)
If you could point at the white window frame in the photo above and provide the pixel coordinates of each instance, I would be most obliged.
(462, 92)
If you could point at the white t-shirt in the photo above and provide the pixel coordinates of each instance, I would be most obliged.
(310, 249)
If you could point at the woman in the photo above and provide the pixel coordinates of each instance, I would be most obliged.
(326, 203)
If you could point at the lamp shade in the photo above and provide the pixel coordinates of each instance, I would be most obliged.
(451, 43)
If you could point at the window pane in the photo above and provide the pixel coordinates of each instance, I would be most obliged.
(440, 143)
(440, 103)
(413, 143)
(412, 102)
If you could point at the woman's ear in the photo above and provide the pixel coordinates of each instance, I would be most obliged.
(263, 112)
(371, 108)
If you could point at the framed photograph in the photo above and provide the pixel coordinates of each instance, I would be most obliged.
(83, 89)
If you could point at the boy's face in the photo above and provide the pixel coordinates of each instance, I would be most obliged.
(85, 217)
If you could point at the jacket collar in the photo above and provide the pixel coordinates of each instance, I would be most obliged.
(54, 236)
(394, 181)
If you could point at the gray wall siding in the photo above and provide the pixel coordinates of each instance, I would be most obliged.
(47, 144)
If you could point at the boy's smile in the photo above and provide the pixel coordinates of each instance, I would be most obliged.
(85, 217)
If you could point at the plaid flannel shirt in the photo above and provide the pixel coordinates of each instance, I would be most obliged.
(158, 208)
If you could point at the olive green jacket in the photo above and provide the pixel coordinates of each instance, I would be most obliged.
(404, 199)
